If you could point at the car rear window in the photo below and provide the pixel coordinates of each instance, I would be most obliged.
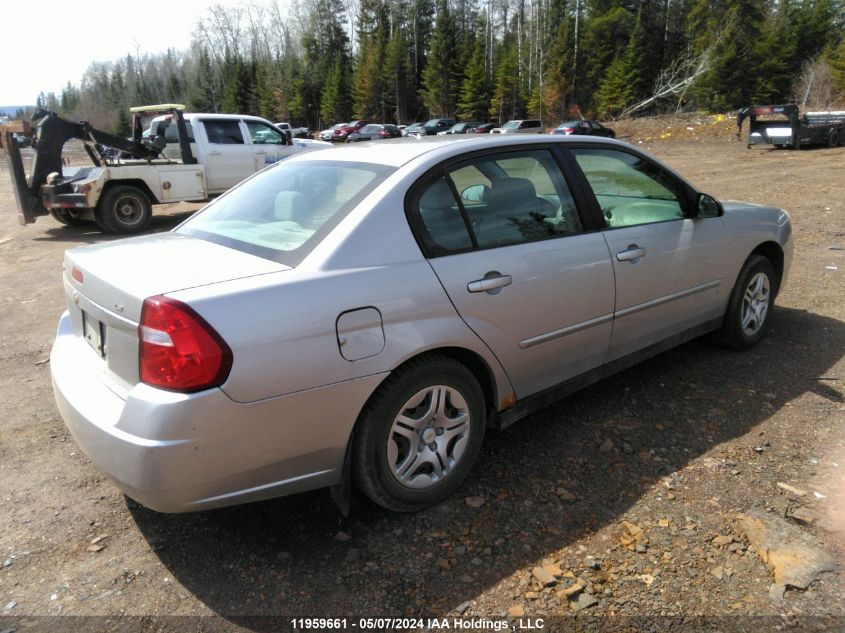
(284, 211)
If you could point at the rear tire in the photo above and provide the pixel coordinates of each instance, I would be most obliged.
(419, 434)
(833, 138)
(123, 209)
(750, 306)
(67, 217)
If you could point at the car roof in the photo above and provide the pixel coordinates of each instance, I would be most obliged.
(398, 152)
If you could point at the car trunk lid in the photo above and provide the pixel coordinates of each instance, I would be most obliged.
(107, 283)
(119, 276)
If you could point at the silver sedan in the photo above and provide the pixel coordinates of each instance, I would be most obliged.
(365, 317)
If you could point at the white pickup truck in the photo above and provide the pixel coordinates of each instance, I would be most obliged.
(179, 157)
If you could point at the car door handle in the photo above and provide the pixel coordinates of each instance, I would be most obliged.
(214, 153)
(631, 254)
(260, 153)
(490, 283)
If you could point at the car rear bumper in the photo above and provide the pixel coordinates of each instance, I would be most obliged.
(177, 452)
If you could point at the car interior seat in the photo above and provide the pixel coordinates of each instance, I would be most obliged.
(514, 213)
(442, 218)
(289, 206)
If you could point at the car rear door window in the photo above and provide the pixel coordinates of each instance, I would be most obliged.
(502, 199)
(629, 189)
(171, 131)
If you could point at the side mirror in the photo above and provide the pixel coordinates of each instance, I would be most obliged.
(708, 206)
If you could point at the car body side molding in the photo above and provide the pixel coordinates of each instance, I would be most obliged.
(544, 398)
(672, 297)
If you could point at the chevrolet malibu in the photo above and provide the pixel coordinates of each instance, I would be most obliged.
(359, 317)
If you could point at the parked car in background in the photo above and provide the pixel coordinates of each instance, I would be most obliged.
(521, 126)
(584, 126)
(328, 133)
(21, 140)
(433, 126)
(417, 313)
(462, 128)
(484, 128)
(301, 132)
(414, 129)
(341, 133)
(374, 132)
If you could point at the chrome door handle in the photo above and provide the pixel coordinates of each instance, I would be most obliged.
(490, 283)
(631, 254)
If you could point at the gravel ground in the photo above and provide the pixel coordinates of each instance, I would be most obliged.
(626, 506)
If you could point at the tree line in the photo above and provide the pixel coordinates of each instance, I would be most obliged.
(324, 61)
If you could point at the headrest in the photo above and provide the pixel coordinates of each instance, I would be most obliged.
(287, 204)
(511, 193)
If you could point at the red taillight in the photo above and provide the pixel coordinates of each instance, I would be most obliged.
(76, 274)
(384, 134)
(179, 351)
(569, 130)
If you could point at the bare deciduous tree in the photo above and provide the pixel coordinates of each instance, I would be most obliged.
(673, 82)
(815, 88)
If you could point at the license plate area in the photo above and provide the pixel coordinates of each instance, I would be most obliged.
(95, 333)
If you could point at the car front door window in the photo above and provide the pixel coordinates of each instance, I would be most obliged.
(668, 267)
(224, 132)
(630, 190)
(263, 134)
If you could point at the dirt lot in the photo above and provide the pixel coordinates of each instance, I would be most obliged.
(629, 493)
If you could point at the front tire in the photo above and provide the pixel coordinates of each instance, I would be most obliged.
(124, 209)
(750, 306)
(419, 435)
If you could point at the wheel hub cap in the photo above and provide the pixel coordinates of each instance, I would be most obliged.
(428, 437)
(755, 304)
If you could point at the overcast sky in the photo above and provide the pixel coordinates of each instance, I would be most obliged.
(45, 45)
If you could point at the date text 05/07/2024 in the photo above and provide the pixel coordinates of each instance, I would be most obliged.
(416, 624)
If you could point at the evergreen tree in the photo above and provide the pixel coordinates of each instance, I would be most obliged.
(370, 78)
(777, 55)
(202, 95)
(439, 90)
(123, 125)
(836, 58)
(474, 100)
(606, 38)
(731, 81)
(507, 101)
(557, 87)
(625, 78)
(335, 103)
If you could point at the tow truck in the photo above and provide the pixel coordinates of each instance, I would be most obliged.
(180, 157)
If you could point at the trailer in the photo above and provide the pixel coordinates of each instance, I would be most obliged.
(783, 126)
